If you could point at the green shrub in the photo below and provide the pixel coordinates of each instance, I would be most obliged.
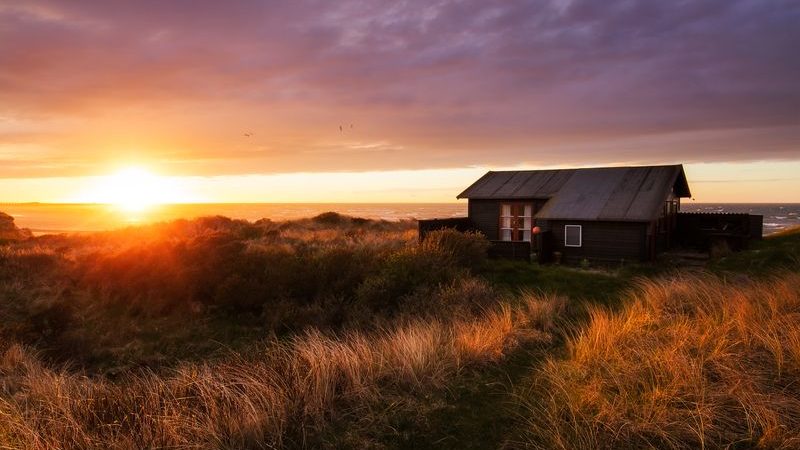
(405, 271)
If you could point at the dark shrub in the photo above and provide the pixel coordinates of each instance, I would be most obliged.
(148, 277)
(464, 296)
(27, 264)
(404, 272)
(329, 218)
(338, 271)
(468, 249)
(467, 294)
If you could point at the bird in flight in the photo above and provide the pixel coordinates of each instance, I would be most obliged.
(248, 134)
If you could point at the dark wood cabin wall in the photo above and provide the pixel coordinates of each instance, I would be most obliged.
(485, 215)
(602, 241)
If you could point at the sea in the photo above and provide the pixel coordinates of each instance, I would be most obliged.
(50, 218)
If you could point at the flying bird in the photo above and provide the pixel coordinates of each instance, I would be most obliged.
(340, 128)
(248, 134)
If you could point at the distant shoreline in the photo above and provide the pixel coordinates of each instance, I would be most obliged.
(56, 218)
(462, 202)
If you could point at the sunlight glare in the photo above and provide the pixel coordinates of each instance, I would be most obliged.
(134, 189)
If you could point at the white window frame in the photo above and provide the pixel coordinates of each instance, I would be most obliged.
(527, 229)
(510, 218)
(580, 236)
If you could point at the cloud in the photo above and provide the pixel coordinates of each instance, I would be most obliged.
(437, 83)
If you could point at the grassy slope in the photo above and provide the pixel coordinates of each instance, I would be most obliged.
(780, 250)
(480, 411)
(695, 362)
(478, 407)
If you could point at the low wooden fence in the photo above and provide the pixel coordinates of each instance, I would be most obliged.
(462, 224)
(497, 249)
(705, 230)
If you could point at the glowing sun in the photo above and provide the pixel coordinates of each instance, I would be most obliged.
(136, 189)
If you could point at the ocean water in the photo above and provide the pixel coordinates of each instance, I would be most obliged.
(44, 218)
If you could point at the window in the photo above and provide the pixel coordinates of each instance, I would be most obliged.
(506, 219)
(516, 221)
(573, 235)
(667, 221)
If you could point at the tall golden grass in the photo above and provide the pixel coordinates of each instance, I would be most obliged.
(693, 362)
(278, 396)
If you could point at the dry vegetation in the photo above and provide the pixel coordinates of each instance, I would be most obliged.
(153, 295)
(692, 362)
(279, 396)
(346, 317)
(343, 332)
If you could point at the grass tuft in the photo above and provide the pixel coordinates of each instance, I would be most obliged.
(689, 362)
(280, 396)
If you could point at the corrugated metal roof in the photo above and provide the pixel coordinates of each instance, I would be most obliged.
(518, 184)
(601, 193)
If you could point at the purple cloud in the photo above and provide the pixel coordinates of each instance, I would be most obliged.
(438, 84)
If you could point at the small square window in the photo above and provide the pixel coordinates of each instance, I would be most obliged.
(573, 235)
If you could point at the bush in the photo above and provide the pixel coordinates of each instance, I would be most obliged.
(28, 263)
(468, 249)
(463, 296)
(243, 267)
(329, 218)
(402, 273)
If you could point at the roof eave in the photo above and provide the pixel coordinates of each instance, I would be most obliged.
(464, 194)
(682, 184)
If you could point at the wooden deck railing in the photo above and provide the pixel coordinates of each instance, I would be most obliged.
(703, 230)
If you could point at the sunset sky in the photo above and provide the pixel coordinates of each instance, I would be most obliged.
(347, 101)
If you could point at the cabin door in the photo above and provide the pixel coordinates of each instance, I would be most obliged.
(516, 222)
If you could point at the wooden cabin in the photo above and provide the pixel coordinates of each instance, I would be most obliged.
(609, 214)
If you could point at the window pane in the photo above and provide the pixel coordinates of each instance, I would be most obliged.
(572, 235)
(505, 235)
(506, 211)
(528, 211)
(526, 235)
(527, 223)
(505, 222)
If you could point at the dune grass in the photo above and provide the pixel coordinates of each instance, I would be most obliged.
(689, 362)
(778, 251)
(281, 396)
(339, 332)
(157, 295)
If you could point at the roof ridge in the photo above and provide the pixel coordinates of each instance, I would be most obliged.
(588, 168)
